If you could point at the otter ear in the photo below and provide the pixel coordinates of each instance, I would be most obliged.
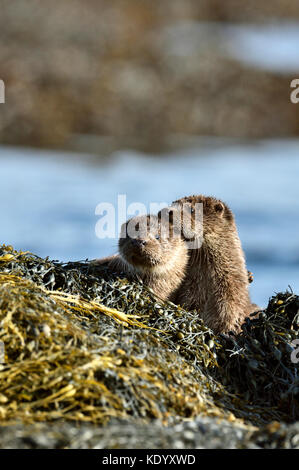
(219, 208)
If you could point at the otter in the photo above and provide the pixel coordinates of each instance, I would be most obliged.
(151, 251)
(216, 281)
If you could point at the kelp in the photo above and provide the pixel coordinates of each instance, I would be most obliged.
(85, 345)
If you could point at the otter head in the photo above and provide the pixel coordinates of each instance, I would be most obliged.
(197, 216)
(147, 244)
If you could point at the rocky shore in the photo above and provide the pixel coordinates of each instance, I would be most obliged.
(200, 433)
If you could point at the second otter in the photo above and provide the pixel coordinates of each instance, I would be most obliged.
(216, 282)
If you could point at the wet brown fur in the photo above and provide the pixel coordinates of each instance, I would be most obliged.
(216, 281)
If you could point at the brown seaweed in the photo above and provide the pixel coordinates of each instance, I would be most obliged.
(83, 344)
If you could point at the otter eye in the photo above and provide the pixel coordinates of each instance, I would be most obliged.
(157, 237)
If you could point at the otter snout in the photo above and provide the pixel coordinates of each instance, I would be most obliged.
(137, 252)
(138, 243)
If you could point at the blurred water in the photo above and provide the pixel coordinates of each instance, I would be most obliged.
(48, 199)
(271, 46)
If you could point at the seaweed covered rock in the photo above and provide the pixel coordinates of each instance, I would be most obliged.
(84, 345)
(84, 348)
(263, 359)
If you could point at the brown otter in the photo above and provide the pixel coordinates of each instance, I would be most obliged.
(216, 280)
(151, 251)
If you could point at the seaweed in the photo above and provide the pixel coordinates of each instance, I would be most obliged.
(83, 344)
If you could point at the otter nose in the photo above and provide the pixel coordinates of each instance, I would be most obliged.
(138, 242)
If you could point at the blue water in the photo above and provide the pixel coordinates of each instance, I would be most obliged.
(270, 46)
(48, 199)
